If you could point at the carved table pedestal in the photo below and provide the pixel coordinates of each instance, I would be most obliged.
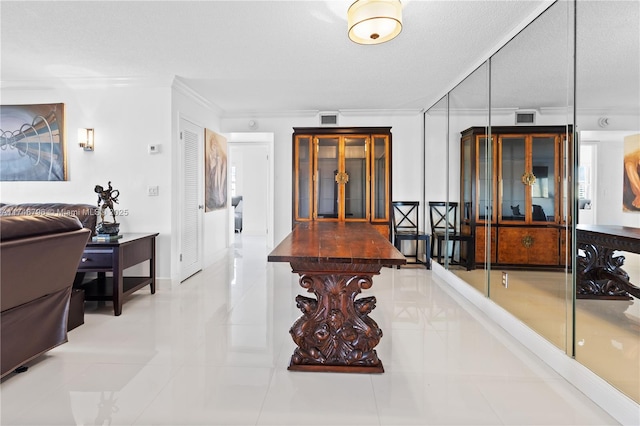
(599, 270)
(336, 261)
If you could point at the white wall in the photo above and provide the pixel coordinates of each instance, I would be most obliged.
(126, 120)
(406, 152)
(189, 105)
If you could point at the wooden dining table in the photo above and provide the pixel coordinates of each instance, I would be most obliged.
(335, 262)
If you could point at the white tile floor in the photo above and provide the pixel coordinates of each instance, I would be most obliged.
(214, 351)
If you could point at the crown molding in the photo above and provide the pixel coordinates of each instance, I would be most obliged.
(269, 114)
(315, 113)
(380, 112)
(609, 110)
(84, 83)
(180, 86)
(542, 110)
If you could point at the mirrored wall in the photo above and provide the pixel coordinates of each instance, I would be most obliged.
(526, 166)
(607, 327)
(470, 172)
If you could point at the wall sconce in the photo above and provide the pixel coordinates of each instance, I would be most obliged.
(85, 139)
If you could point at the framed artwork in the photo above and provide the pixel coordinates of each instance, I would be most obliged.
(215, 175)
(32, 143)
(631, 181)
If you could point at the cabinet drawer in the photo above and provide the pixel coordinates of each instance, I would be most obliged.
(96, 259)
(528, 246)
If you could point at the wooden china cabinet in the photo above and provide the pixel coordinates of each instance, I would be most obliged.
(515, 190)
(342, 174)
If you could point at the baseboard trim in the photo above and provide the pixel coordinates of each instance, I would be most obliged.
(163, 283)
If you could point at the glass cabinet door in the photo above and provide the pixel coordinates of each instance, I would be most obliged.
(513, 167)
(342, 174)
(380, 177)
(485, 179)
(566, 189)
(327, 169)
(304, 177)
(544, 182)
(356, 168)
(465, 180)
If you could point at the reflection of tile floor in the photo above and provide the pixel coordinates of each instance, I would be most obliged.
(215, 349)
(607, 331)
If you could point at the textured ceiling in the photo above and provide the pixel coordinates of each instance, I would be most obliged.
(254, 56)
(259, 56)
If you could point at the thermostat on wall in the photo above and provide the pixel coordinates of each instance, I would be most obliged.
(154, 149)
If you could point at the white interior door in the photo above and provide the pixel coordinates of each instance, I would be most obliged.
(251, 162)
(191, 203)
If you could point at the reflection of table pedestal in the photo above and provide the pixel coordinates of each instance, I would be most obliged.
(599, 272)
(335, 261)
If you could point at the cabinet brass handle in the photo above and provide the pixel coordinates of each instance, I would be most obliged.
(342, 178)
(528, 178)
(527, 241)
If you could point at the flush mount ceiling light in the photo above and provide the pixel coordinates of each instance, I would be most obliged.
(374, 21)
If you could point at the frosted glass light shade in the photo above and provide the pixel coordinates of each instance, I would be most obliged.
(374, 21)
(85, 139)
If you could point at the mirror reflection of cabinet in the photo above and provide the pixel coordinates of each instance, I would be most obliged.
(514, 187)
(342, 174)
(478, 190)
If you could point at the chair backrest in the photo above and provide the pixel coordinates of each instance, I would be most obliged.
(406, 217)
(538, 213)
(443, 217)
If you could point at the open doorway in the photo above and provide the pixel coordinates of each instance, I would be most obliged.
(587, 182)
(251, 179)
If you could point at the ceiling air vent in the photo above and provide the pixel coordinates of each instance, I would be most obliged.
(328, 118)
(525, 117)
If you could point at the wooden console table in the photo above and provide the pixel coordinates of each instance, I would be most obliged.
(115, 257)
(335, 261)
(599, 272)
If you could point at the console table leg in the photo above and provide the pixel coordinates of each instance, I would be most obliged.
(117, 294)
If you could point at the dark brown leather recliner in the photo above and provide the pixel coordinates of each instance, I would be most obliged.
(86, 213)
(39, 256)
